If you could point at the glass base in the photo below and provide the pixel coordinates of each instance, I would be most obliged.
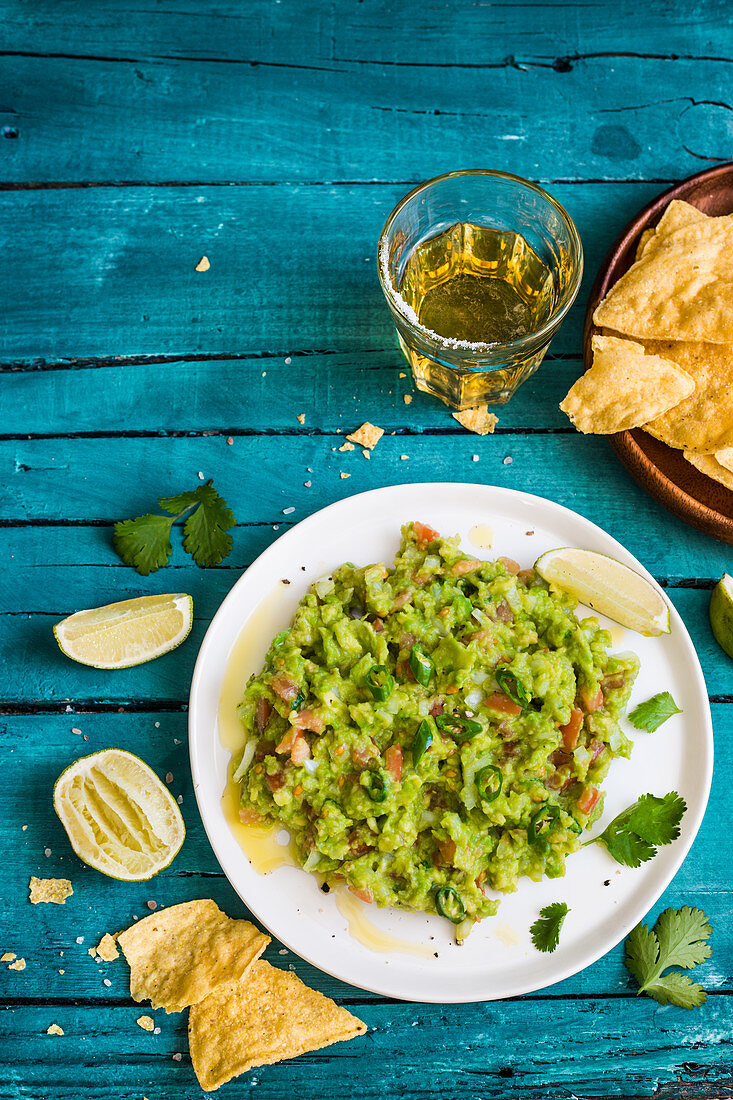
(464, 389)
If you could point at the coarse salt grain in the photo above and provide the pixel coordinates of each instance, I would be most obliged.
(474, 458)
(177, 1057)
(307, 484)
(179, 800)
(80, 939)
(508, 460)
(47, 852)
(157, 725)
(177, 741)
(288, 511)
(201, 476)
(107, 982)
(152, 904)
(75, 730)
(169, 777)
(288, 360)
(229, 440)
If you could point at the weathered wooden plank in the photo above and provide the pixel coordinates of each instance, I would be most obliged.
(128, 284)
(82, 480)
(260, 394)
(439, 31)
(36, 748)
(514, 1049)
(392, 122)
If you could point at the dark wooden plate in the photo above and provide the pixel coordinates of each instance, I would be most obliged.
(661, 470)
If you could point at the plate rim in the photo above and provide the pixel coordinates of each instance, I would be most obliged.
(626, 445)
(684, 845)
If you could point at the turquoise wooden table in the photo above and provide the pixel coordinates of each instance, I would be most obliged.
(273, 137)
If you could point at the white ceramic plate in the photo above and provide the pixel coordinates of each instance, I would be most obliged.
(498, 959)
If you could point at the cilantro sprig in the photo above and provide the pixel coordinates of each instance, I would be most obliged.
(632, 838)
(145, 544)
(650, 715)
(546, 929)
(677, 939)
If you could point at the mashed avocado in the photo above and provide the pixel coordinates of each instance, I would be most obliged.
(430, 731)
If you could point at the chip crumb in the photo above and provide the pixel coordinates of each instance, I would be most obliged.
(106, 949)
(343, 476)
(55, 890)
(403, 458)
(478, 420)
(229, 441)
(402, 374)
(407, 398)
(147, 1023)
(24, 827)
(367, 454)
(8, 957)
(300, 418)
(19, 964)
(54, 1029)
(62, 971)
(347, 447)
(203, 264)
(368, 435)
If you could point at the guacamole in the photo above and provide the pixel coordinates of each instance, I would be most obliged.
(433, 730)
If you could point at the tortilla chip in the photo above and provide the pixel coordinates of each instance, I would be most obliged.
(106, 949)
(680, 289)
(623, 387)
(179, 955)
(55, 890)
(368, 435)
(478, 420)
(268, 1017)
(708, 465)
(725, 458)
(677, 215)
(702, 422)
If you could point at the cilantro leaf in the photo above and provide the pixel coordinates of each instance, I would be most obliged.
(682, 936)
(546, 929)
(143, 542)
(651, 714)
(633, 836)
(678, 989)
(206, 531)
(677, 939)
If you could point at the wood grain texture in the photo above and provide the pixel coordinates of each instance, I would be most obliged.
(130, 286)
(274, 137)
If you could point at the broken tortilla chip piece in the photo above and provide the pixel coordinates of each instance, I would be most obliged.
(677, 215)
(702, 422)
(55, 890)
(181, 954)
(268, 1017)
(679, 289)
(725, 458)
(478, 420)
(368, 435)
(624, 387)
(709, 465)
(106, 949)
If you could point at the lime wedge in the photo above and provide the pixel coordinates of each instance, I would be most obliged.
(721, 613)
(607, 586)
(121, 820)
(127, 633)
